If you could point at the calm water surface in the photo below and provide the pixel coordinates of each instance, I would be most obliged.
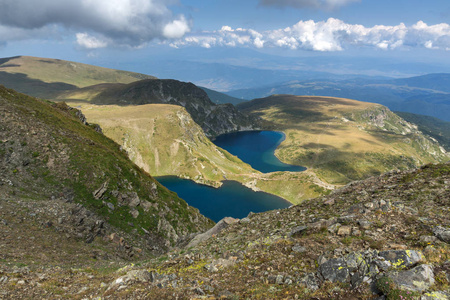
(232, 199)
(257, 149)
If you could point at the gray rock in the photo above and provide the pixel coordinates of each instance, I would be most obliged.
(211, 268)
(428, 239)
(335, 270)
(345, 231)
(299, 249)
(309, 281)
(364, 224)
(221, 225)
(135, 201)
(134, 213)
(139, 275)
(334, 228)
(98, 193)
(279, 279)
(402, 258)
(271, 279)
(145, 205)
(110, 205)
(297, 231)
(442, 233)
(417, 279)
(244, 220)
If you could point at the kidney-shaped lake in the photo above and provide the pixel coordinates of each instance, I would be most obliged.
(233, 199)
(257, 149)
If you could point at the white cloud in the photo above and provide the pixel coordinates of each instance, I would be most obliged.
(330, 35)
(122, 22)
(176, 29)
(90, 42)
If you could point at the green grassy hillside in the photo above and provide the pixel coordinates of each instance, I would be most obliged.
(164, 140)
(50, 159)
(343, 140)
(45, 77)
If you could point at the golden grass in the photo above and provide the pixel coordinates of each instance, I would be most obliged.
(78, 74)
(342, 139)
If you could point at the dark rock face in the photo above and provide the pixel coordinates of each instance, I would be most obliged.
(214, 119)
(442, 233)
(335, 270)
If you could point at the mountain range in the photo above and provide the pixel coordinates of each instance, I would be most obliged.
(82, 217)
(426, 95)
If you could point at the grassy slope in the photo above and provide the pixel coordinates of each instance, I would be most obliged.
(164, 140)
(64, 156)
(343, 140)
(46, 74)
(434, 127)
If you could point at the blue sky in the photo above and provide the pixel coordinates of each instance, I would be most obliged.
(107, 32)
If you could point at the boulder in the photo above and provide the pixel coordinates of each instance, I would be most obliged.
(221, 225)
(442, 233)
(309, 281)
(297, 231)
(417, 279)
(335, 270)
(402, 258)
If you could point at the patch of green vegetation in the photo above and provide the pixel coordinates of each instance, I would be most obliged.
(390, 289)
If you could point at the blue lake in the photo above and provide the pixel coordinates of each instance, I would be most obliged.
(232, 199)
(257, 149)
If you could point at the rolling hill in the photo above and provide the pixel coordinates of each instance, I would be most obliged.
(342, 140)
(426, 94)
(214, 119)
(46, 77)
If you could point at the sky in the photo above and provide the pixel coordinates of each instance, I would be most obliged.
(108, 32)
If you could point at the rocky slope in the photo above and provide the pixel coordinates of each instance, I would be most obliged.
(58, 173)
(385, 237)
(214, 119)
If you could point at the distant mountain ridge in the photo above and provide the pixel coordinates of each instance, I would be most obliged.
(64, 80)
(214, 119)
(427, 94)
(46, 77)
